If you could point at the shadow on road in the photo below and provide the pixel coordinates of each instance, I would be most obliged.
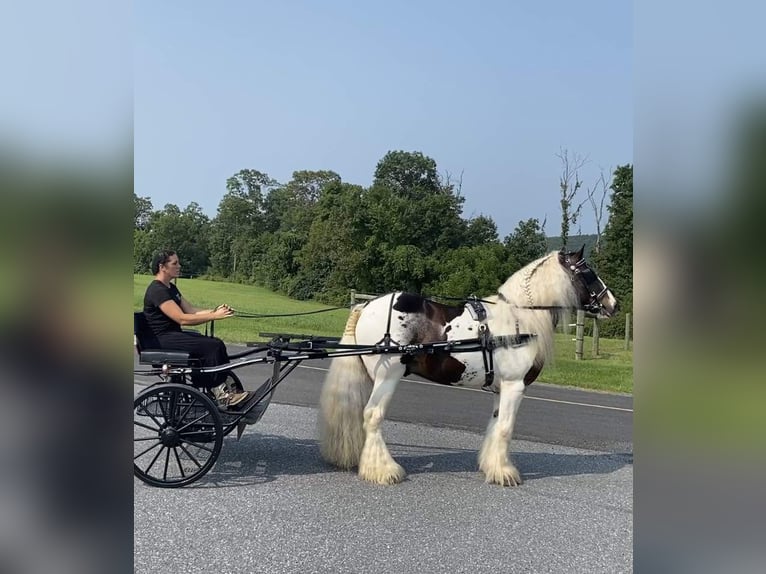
(261, 458)
(533, 465)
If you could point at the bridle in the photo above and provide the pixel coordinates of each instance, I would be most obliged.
(595, 287)
(578, 271)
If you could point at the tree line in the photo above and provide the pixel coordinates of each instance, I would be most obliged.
(317, 237)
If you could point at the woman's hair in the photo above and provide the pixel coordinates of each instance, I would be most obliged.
(160, 258)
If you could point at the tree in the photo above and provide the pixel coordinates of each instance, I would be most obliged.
(289, 211)
(142, 244)
(597, 196)
(569, 185)
(477, 270)
(407, 174)
(142, 251)
(142, 212)
(185, 231)
(410, 213)
(526, 243)
(480, 230)
(290, 207)
(332, 260)
(614, 262)
(240, 220)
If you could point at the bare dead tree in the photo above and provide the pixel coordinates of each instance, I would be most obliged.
(458, 186)
(597, 197)
(569, 184)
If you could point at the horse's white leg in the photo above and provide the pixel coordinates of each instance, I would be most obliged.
(344, 394)
(493, 457)
(376, 464)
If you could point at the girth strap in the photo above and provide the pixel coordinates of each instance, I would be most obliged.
(386, 340)
(488, 346)
(479, 313)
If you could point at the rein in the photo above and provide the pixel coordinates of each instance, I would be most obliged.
(262, 315)
(469, 298)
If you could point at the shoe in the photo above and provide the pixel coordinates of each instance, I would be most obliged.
(227, 399)
(237, 397)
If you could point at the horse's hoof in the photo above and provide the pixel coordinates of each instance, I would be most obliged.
(389, 475)
(505, 476)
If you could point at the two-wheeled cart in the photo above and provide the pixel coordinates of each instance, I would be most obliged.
(178, 428)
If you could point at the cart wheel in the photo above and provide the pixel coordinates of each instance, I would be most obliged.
(177, 435)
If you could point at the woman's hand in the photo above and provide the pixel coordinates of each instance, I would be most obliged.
(223, 311)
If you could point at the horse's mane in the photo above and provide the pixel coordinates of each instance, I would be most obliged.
(544, 284)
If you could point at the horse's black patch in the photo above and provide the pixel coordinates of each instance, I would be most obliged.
(409, 303)
(439, 368)
(448, 329)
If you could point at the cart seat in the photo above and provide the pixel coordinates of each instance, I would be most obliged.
(148, 348)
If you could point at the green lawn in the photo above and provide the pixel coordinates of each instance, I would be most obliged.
(611, 371)
(254, 300)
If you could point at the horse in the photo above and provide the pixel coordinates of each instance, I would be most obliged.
(518, 324)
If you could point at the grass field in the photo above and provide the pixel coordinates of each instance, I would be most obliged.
(611, 371)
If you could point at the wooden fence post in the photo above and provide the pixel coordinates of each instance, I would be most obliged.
(357, 297)
(595, 338)
(580, 332)
(627, 331)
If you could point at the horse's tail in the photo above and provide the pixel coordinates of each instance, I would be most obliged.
(345, 392)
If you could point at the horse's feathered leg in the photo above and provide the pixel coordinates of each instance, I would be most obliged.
(493, 457)
(345, 392)
(376, 463)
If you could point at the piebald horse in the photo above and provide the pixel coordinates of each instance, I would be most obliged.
(357, 389)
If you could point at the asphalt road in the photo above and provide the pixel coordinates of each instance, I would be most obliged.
(549, 413)
(272, 505)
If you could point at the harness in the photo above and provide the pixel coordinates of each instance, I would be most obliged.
(487, 342)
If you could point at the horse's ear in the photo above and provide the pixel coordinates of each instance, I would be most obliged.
(580, 252)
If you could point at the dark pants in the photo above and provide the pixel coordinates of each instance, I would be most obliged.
(210, 351)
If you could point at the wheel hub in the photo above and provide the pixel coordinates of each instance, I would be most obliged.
(170, 437)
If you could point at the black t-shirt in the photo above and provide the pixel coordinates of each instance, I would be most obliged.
(156, 294)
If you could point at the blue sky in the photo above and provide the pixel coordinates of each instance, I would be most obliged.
(489, 89)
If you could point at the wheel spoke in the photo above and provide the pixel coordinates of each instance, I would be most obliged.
(156, 456)
(192, 401)
(191, 456)
(172, 406)
(150, 415)
(198, 419)
(143, 452)
(178, 461)
(202, 446)
(139, 423)
(160, 401)
(197, 432)
(167, 461)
